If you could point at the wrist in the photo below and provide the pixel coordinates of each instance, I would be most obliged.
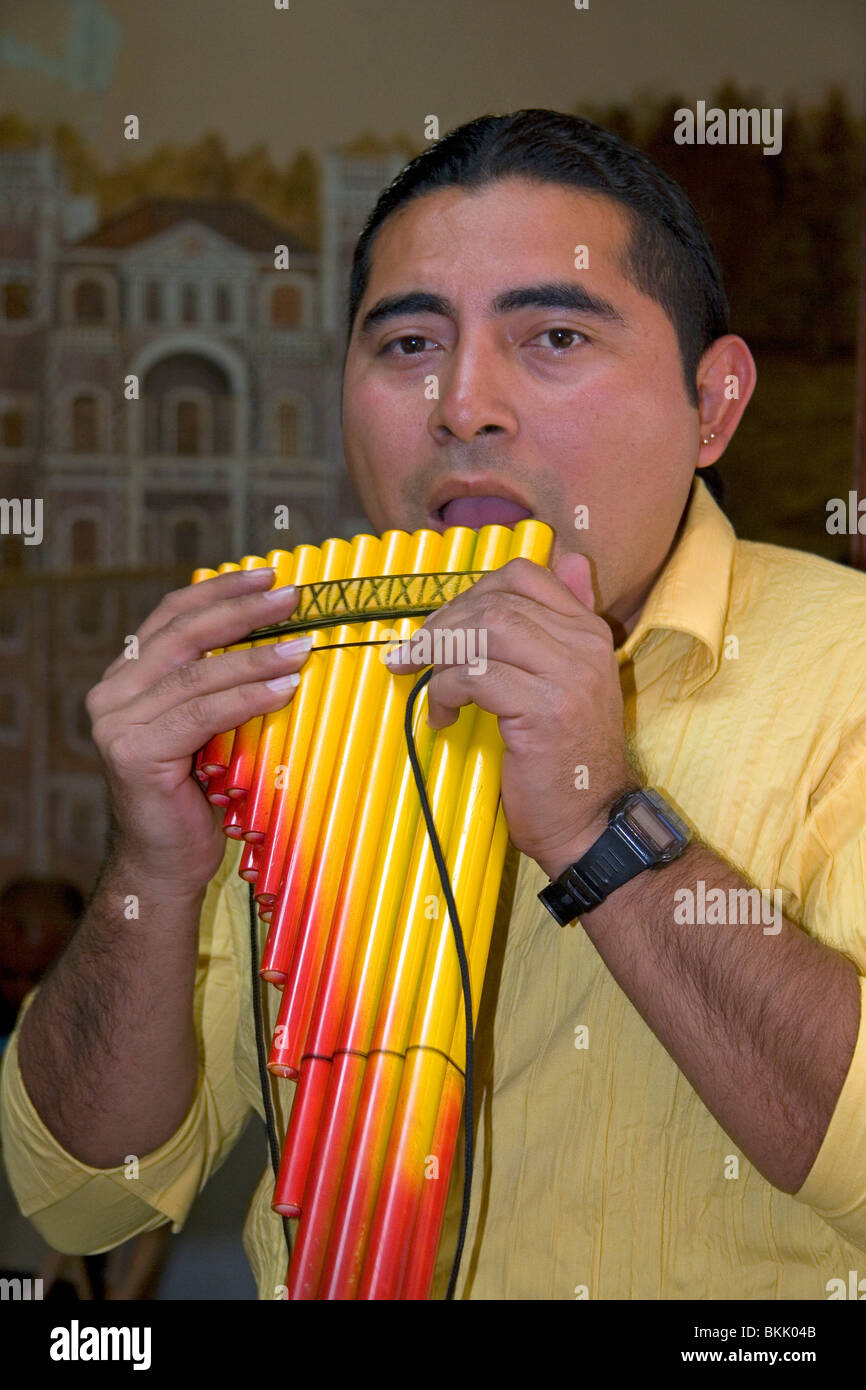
(555, 861)
(643, 832)
(569, 851)
(127, 873)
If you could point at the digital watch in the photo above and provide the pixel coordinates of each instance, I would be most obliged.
(643, 832)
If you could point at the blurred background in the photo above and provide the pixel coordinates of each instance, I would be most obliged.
(153, 257)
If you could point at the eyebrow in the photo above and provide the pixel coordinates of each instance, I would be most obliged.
(553, 294)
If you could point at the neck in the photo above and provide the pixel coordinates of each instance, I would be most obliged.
(624, 615)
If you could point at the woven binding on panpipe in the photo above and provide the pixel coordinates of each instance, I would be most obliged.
(371, 1022)
(374, 597)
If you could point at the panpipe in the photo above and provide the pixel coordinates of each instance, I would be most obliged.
(371, 1025)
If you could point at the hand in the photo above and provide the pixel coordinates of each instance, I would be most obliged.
(552, 678)
(150, 715)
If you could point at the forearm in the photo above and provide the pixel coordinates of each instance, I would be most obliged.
(763, 1025)
(108, 1049)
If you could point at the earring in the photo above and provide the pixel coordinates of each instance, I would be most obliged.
(706, 441)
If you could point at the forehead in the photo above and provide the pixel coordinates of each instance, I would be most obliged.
(501, 233)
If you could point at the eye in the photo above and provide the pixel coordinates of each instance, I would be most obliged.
(410, 345)
(561, 338)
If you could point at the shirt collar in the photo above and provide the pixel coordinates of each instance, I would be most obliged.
(692, 592)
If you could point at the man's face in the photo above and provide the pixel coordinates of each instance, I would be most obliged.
(558, 387)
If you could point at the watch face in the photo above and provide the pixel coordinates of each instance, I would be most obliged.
(660, 828)
(646, 822)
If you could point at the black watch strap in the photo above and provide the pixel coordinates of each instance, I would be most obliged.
(643, 831)
(610, 863)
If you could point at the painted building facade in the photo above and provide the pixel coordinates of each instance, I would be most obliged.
(169, 394)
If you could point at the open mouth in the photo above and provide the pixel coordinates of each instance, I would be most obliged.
(481, 511)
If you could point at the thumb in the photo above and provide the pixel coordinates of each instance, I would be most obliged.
(575, 573)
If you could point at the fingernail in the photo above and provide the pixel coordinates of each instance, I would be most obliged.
(284, 683)
(284, 591)
(296, 645)
(264, 569)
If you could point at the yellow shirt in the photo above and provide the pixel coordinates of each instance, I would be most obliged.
(599, 1170)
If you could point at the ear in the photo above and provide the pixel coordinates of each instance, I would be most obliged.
(574, 572)
(726, 379)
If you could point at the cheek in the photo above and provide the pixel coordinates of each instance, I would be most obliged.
(375, 420)
(380, 440)
(598, 420)
(616, 415)
(363, 427)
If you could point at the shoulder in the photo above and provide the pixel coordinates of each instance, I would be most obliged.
(807, 611)
(782, 570)
(800, 624)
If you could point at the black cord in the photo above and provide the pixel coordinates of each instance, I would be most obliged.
(468, 1103)
(468, 1099)
(258, 1023)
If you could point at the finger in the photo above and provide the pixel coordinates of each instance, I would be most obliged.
(529, 579)
(501, 690)
(184, 728)
(514, 638)
(518, 588)
(187, 636)
(575, 572)
(196, 596)
(210, 675)
(505, 628)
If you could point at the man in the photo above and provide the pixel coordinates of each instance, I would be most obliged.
(671, 1107)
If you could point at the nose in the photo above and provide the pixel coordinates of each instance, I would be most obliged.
(474, 396)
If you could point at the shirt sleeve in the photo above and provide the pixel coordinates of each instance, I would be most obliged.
(78, 1209)
(826, 875)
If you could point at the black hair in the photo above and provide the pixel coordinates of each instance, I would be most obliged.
(668, 255)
